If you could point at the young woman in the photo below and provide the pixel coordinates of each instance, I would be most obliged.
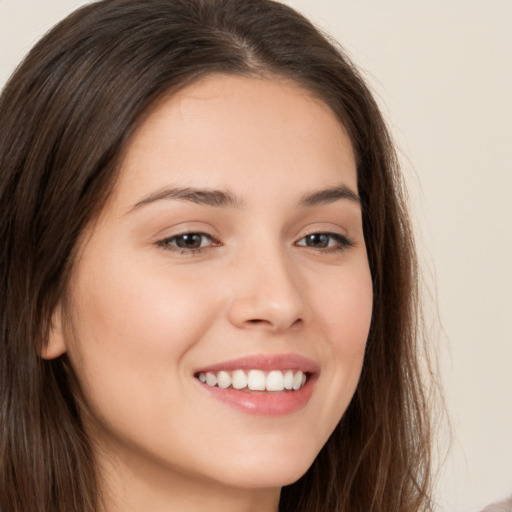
(209, 281)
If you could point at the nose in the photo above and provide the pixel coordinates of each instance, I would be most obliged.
(268, 295)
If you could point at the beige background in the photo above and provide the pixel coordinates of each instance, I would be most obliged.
(442, 70)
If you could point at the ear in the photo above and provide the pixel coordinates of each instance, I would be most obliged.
(56, 344)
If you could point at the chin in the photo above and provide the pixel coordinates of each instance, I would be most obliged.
(269, 474)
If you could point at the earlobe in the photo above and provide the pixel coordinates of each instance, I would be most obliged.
(56, 344)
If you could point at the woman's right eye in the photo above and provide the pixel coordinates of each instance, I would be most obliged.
(187, 242)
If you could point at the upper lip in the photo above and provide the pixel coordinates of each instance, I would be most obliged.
(265, 362)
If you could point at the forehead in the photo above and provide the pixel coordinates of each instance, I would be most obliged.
(237, 131)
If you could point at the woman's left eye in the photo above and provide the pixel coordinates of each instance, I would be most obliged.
(187, 242)
(325, 241)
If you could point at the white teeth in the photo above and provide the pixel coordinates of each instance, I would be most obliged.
(255, 380)
(211, 379)
(288, 380)
(223, 380)
(297, 380)
(275, 381)
(239, 379)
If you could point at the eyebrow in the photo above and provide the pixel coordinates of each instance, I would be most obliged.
(329, 195)
(224, 198)
(202, 196)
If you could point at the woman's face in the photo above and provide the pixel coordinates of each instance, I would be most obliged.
(232, 242)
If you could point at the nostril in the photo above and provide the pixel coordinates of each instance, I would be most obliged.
(263, 322)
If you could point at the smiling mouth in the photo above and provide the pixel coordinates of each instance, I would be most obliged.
(267, 385)
(255, 380)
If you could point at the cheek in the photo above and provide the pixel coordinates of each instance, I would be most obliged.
(344, 311)
(131, 329)
(134, 307)
(354, 326)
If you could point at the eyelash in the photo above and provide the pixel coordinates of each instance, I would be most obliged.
(342, 242)
(167, 243)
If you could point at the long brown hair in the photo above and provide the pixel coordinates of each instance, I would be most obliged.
(65, 116)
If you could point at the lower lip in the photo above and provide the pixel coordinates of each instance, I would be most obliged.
(262, 403)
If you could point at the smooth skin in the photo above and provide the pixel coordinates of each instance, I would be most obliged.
(258, 272)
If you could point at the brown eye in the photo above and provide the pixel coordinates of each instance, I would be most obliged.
(317, 240)
(187, 242)
(325, 241)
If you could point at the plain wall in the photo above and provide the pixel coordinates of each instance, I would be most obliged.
(442, 70)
